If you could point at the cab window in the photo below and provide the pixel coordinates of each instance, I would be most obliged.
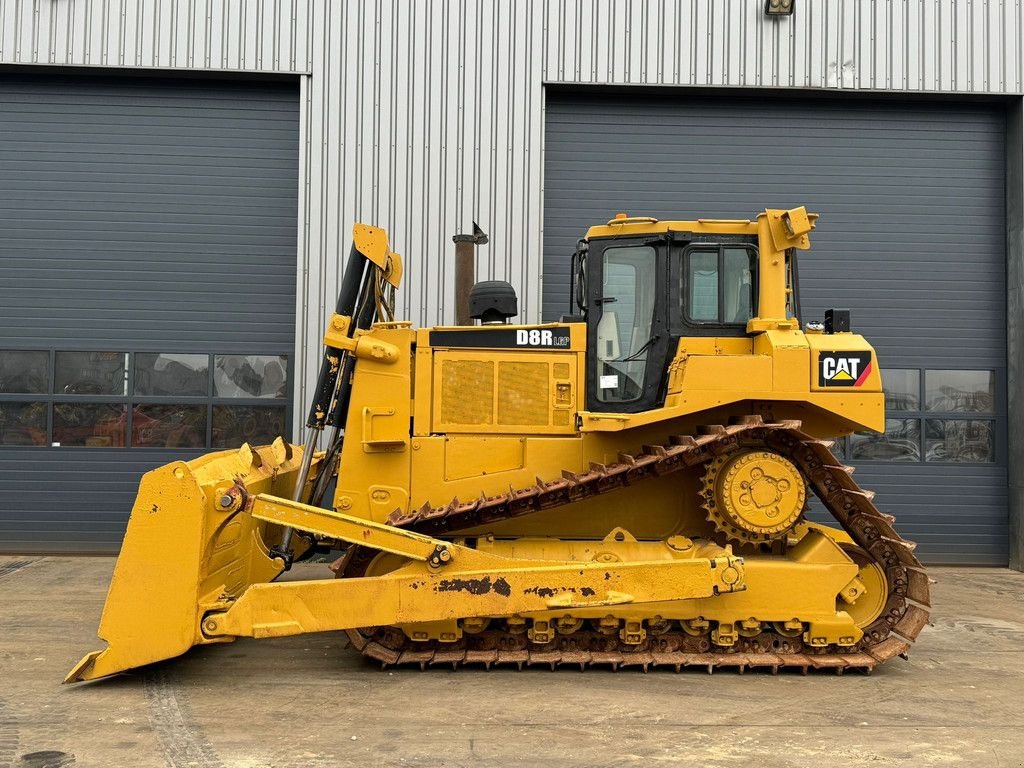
(718, 285)
(626, 307)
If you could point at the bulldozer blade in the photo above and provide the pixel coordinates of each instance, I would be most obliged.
(189, 543)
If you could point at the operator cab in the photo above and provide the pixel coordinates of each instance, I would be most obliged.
(641, 293)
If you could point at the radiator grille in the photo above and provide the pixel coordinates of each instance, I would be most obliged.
(523, 393)
(467, 392)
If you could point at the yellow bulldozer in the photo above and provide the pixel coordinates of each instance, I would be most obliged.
(627, 487)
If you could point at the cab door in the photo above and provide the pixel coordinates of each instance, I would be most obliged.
(628, 340)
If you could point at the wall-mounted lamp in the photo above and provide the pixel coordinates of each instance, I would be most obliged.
(779, 7)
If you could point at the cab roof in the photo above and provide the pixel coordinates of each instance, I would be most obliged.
(623, 225)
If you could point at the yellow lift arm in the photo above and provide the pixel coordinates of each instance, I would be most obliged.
(160, 606)
(447, 581)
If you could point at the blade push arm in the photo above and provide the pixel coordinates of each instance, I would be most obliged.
(446, 581)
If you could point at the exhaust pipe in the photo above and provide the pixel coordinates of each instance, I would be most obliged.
(465, 271)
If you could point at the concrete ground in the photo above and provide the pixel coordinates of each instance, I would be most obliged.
(308, 701)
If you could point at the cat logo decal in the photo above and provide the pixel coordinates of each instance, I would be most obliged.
(843, 369)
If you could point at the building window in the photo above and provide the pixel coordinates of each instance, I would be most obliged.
(959, 440)
(235, 424)
(960, 397)
(934, 416)
(901, 441)
(169, 426)
(62, 398)
(960, 391)
(24, 372)
(23, 424)
(171, 375)
(250, 376)
(90, 373)
(902, 390)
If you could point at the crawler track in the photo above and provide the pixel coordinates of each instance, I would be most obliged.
(903, 617)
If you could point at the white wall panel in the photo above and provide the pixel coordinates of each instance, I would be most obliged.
(920, 45)
(248, 35)
(441, 104)
(968, 46)
(423, 115)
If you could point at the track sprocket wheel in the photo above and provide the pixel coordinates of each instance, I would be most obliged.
(753, 496)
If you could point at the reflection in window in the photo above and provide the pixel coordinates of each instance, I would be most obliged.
(902, 389)
(23, 424)
(959, 440)
(253, 424)
(702, 277)
(720, 285)
(90, 373)
(954, 439)
(95, 425)
(58, 404)
(900, 442)
(960, 391)
(171, 375)
(24, 372)
(839, 449)
(250, 376)
(737, 286)
(624, 330)
(169, 426)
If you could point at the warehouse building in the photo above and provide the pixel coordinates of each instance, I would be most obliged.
(178, 183)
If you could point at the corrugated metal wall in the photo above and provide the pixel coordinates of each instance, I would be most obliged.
(191, 239)
(912, 236)
(251, 35)
(423, 116)
(429, 115)
(138, 215)
(927, 45)
(911, 240)
(900, 45)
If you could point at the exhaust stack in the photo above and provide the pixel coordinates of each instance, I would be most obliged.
(465, 271)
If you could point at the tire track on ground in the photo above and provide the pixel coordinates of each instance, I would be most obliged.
(12, 567)
(182, 741)
(8, 735)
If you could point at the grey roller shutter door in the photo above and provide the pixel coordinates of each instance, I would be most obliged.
(136, 214)
(912, 239)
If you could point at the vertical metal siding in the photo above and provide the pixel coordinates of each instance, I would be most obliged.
(900, 45)
(426, 117)
(248, 35)
(423, 116)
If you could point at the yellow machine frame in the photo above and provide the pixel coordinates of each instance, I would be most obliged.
(430, 423)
